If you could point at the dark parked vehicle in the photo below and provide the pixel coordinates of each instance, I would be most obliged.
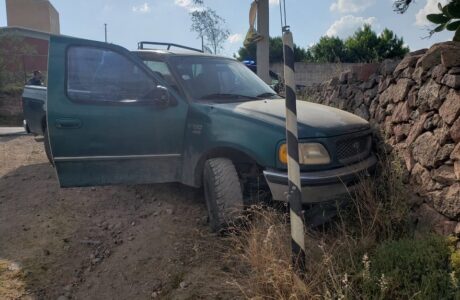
(276, 81)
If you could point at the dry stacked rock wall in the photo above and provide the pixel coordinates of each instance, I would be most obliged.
(416, 105)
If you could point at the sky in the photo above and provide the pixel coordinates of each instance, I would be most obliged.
(130, 21)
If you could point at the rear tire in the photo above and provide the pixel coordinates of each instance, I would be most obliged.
(46, 143)
(223, 194)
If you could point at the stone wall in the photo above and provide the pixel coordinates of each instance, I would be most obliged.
(308, 74)
(416, 105)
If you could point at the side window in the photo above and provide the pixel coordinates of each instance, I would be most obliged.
(162, 70)
(189, 71)
(102, 75)
(159, 67)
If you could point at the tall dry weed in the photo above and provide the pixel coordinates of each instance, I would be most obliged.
(337, 259)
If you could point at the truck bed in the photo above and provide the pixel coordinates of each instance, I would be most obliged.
(34, 108)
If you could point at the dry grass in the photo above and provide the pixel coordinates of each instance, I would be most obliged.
(19, 151)
(12, 284)
(337, 260)
(262, 248)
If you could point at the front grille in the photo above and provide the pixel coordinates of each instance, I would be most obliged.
(353, 149)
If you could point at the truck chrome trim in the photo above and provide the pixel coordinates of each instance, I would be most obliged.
(321, 186)
(35, 92)
(113, 157)
(328, 175)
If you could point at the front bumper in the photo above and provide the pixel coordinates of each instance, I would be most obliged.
(322, 186)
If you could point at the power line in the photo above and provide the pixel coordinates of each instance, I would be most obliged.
(283, 16)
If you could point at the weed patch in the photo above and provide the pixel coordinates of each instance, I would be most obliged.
(368, 252)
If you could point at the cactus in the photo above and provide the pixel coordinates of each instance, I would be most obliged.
(448, 18)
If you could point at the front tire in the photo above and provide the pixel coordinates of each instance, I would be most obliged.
(223, 194)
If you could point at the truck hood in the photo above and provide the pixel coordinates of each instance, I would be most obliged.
(315, 120)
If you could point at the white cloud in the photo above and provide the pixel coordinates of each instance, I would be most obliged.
(186, 4)
(235, 38)
(351, 6)
(274, 2)
(431, 7)
(347, 25)
(142, 8)
(183, 3)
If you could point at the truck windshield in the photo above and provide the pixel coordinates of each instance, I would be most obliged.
(220, 79)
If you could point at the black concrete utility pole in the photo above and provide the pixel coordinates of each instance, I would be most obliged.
(292, 141)
(263, 22)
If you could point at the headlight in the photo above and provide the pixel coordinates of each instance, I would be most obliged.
(309, 154)
(313, 154)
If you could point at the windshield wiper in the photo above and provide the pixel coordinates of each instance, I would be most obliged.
(227, 96)
(265, 95)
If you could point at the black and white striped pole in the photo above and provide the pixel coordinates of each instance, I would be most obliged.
(295, 191)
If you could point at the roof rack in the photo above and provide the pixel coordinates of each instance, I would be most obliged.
(141, 46)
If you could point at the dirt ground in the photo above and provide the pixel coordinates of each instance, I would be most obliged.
(121, 242)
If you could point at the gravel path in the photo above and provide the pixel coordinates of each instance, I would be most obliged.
(122, 242)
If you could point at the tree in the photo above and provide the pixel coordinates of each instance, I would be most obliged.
(390, 46)
(328, 49)
(248, 53)
(401, 6)
(448, 18)
(362, 46)
(12, 52)
(210, 27)
(276, 51)
(366, 46)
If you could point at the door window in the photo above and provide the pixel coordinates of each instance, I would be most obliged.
(102, 75)
(159, 67)
(163, 71)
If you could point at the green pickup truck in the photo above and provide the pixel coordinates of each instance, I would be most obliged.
(156, 116)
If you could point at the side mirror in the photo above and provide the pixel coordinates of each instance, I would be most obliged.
(160, 96)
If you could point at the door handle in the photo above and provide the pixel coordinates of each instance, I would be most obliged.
(68, 123)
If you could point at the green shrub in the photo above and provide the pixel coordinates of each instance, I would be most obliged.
(411, 269)
(12, 89)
